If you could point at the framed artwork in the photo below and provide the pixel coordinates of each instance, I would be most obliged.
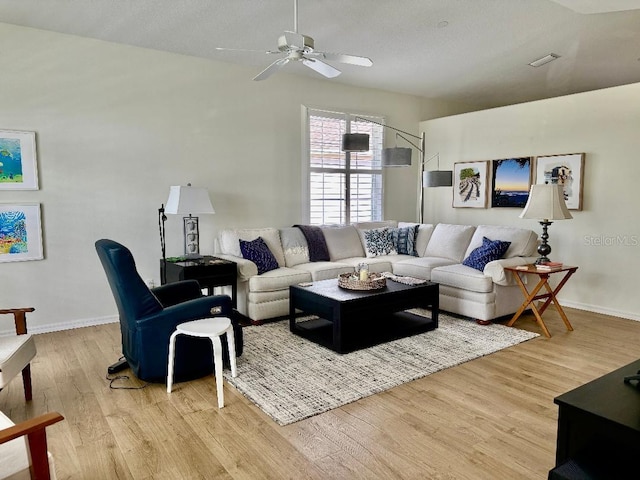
(470, 184)
(567, 170)
(18, 164)
(20, 233)
(510, 182)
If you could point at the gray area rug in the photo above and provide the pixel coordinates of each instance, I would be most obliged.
(291, 378)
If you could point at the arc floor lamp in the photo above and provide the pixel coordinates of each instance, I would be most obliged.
(401, 157)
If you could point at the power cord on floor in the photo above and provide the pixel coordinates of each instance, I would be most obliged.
(122, 377)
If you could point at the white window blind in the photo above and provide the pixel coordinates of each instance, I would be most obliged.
(344, 187)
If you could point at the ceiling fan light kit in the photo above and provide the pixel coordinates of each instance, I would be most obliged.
(301, 48)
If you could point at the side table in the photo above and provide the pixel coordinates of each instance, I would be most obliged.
(209, 271)
(533, 295)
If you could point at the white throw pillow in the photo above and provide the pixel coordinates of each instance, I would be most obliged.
(377, 242)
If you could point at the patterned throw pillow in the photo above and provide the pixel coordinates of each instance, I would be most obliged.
(489, 250)
(378, 242)
(258, 252)
(404, 240)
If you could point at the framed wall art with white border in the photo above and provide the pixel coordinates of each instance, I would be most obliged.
(20, 232)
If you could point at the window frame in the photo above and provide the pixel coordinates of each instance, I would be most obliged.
(348, 170)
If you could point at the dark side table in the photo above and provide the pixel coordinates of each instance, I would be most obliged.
(599, 428)
(209, 271)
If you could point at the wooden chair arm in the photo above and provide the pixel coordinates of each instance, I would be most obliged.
(29, 426)
(19, 317)
(34, 429)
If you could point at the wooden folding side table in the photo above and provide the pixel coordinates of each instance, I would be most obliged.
(549, 296)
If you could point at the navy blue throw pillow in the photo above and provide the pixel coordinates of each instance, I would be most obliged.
(404, 239)
(489, 251)
(258, 252)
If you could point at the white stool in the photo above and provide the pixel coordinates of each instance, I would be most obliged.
(211, 328)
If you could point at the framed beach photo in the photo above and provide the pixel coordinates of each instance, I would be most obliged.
(566, 170)
(20, 233)
(470, 184)
(510, 182)
(18, 164)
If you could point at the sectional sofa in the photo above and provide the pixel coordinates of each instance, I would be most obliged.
(438, 253)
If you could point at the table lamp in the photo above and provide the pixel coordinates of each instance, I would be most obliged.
(187, 201)
(545, 203)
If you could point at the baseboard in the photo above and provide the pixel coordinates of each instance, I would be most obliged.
(597, 309)
(57, 327)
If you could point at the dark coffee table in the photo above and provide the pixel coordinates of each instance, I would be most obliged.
(350, 319)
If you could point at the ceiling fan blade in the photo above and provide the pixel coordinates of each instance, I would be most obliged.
(222, 49)
(275, 66)
(343, 58)
(321, 67)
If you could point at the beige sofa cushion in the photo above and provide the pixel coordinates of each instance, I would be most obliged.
(380, 224)
(278, 279)
(419, 267)
(343, 242)
(461, 276)
(449, 241)
(230, 241)
(324, 270)
(524, 242)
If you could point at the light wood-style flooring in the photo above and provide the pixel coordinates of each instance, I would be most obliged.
(491, 418)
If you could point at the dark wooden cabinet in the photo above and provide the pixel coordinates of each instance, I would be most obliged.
(209, 271)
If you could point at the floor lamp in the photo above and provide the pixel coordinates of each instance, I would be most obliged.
(401, 157)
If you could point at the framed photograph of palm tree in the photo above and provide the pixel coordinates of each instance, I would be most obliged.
(566, 170)
(510, 182)
(18, 166)
(20, 233)
(470, 184)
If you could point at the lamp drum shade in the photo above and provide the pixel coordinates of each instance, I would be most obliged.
(188, 200)
(546, 202)
(396, 157)
(355, 142)
(437, 178)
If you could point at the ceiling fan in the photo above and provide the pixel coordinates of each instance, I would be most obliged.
(297, 47)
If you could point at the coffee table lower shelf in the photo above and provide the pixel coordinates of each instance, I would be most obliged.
(366, 332)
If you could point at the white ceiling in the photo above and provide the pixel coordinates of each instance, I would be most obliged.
(471, 51)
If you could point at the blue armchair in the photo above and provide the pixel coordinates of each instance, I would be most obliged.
(148, 317)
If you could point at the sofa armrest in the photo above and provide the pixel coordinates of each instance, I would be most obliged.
(496, 271)
(246, 268)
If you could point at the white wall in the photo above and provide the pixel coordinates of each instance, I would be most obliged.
(604, 238)
(117, 125)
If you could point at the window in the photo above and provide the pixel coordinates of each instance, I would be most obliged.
(343, 187)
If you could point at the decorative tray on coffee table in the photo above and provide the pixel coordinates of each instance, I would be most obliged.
(375, 281)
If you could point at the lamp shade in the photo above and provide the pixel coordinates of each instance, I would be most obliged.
(546, 202)
(355, 142)
(437, 178)
(396, 157)
(188, 200)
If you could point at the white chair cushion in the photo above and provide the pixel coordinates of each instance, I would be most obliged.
(14, 460)
(419, 267)
(16, 352)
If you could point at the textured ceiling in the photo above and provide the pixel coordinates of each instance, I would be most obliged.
(470, 51)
